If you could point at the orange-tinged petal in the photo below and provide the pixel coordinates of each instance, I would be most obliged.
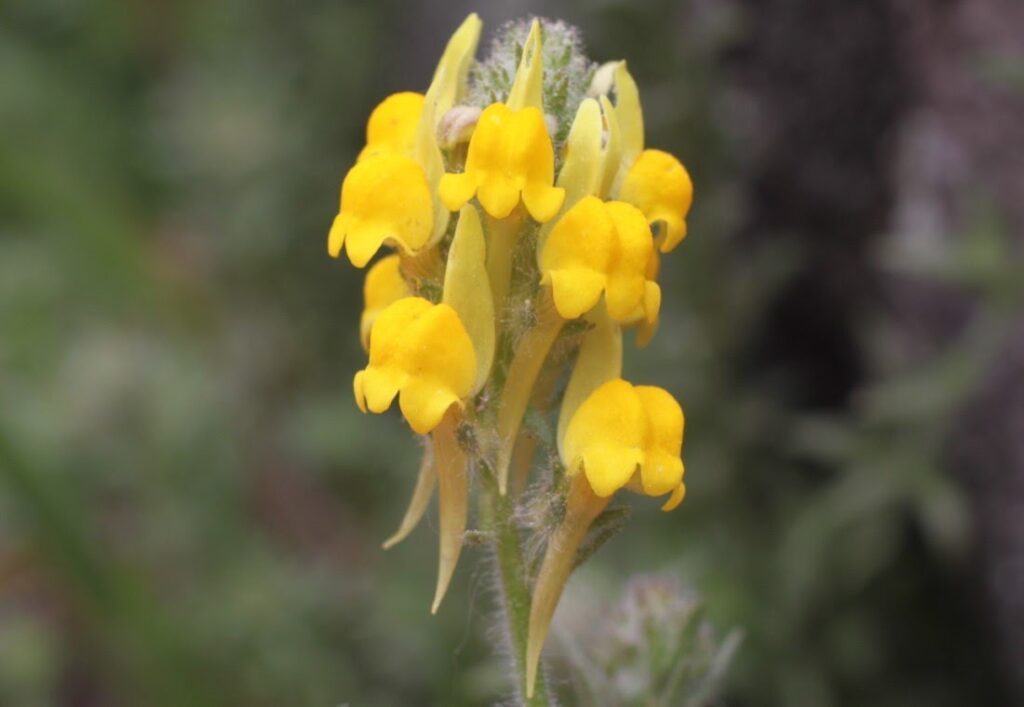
(392, 125)
(659, 185)
(422, 352)
(510, 156)
(383, 285)
(384, 199)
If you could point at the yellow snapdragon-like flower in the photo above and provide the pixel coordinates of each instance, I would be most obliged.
(384, 284)
(421, 352)
(596, 248)
(510, 157)
(628, 436)
(659, 185)
(385, 198)
(393, 124)
(621, 436)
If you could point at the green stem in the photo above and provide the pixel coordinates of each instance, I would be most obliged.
(496, 518)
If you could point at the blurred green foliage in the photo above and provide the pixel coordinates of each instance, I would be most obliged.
(190, 503)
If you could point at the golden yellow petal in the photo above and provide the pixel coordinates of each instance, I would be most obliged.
(627, 275)
(509, 153)
(392, 124)
(423, 351)
(659, 185)
(467, 289)
(605, 437)
(662, 468)
(384, 199)
(678, 494)
(599, 360)
(384, 284)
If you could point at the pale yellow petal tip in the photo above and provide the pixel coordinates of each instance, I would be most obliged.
(527, 86)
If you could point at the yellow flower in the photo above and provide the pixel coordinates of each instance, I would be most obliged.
(659, 185)
(621, 436)
(622, 432)
(510, 156)
(384, 284)
(422, 352)
(597, 248)
(385, 198)
(393, 124)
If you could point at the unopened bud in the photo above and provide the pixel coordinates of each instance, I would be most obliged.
(457, 126)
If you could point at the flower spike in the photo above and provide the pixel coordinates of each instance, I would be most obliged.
(384, 284)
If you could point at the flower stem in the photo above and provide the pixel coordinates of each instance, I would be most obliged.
(496, 517)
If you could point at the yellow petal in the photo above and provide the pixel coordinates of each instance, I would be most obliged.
(597, 247)
(605, 437)
(422, 351)
(384, 199)
(659, 185)
(384, 284)
(581, 169)
(509, 156)
(625, 436)
(626, 285)
(392, 125)
(527, 85)
(467, 289)
(678, 494)
(662, 467)
(599, 360)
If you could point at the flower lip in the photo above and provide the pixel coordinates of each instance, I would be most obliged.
(510, 158)
(371, 215)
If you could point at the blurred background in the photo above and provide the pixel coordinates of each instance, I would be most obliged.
(191, 505)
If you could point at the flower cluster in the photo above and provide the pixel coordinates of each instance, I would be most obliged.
(560, 220)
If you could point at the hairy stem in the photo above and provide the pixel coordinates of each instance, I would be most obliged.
(496, 517)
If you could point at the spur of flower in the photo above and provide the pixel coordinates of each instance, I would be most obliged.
(522, 222)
